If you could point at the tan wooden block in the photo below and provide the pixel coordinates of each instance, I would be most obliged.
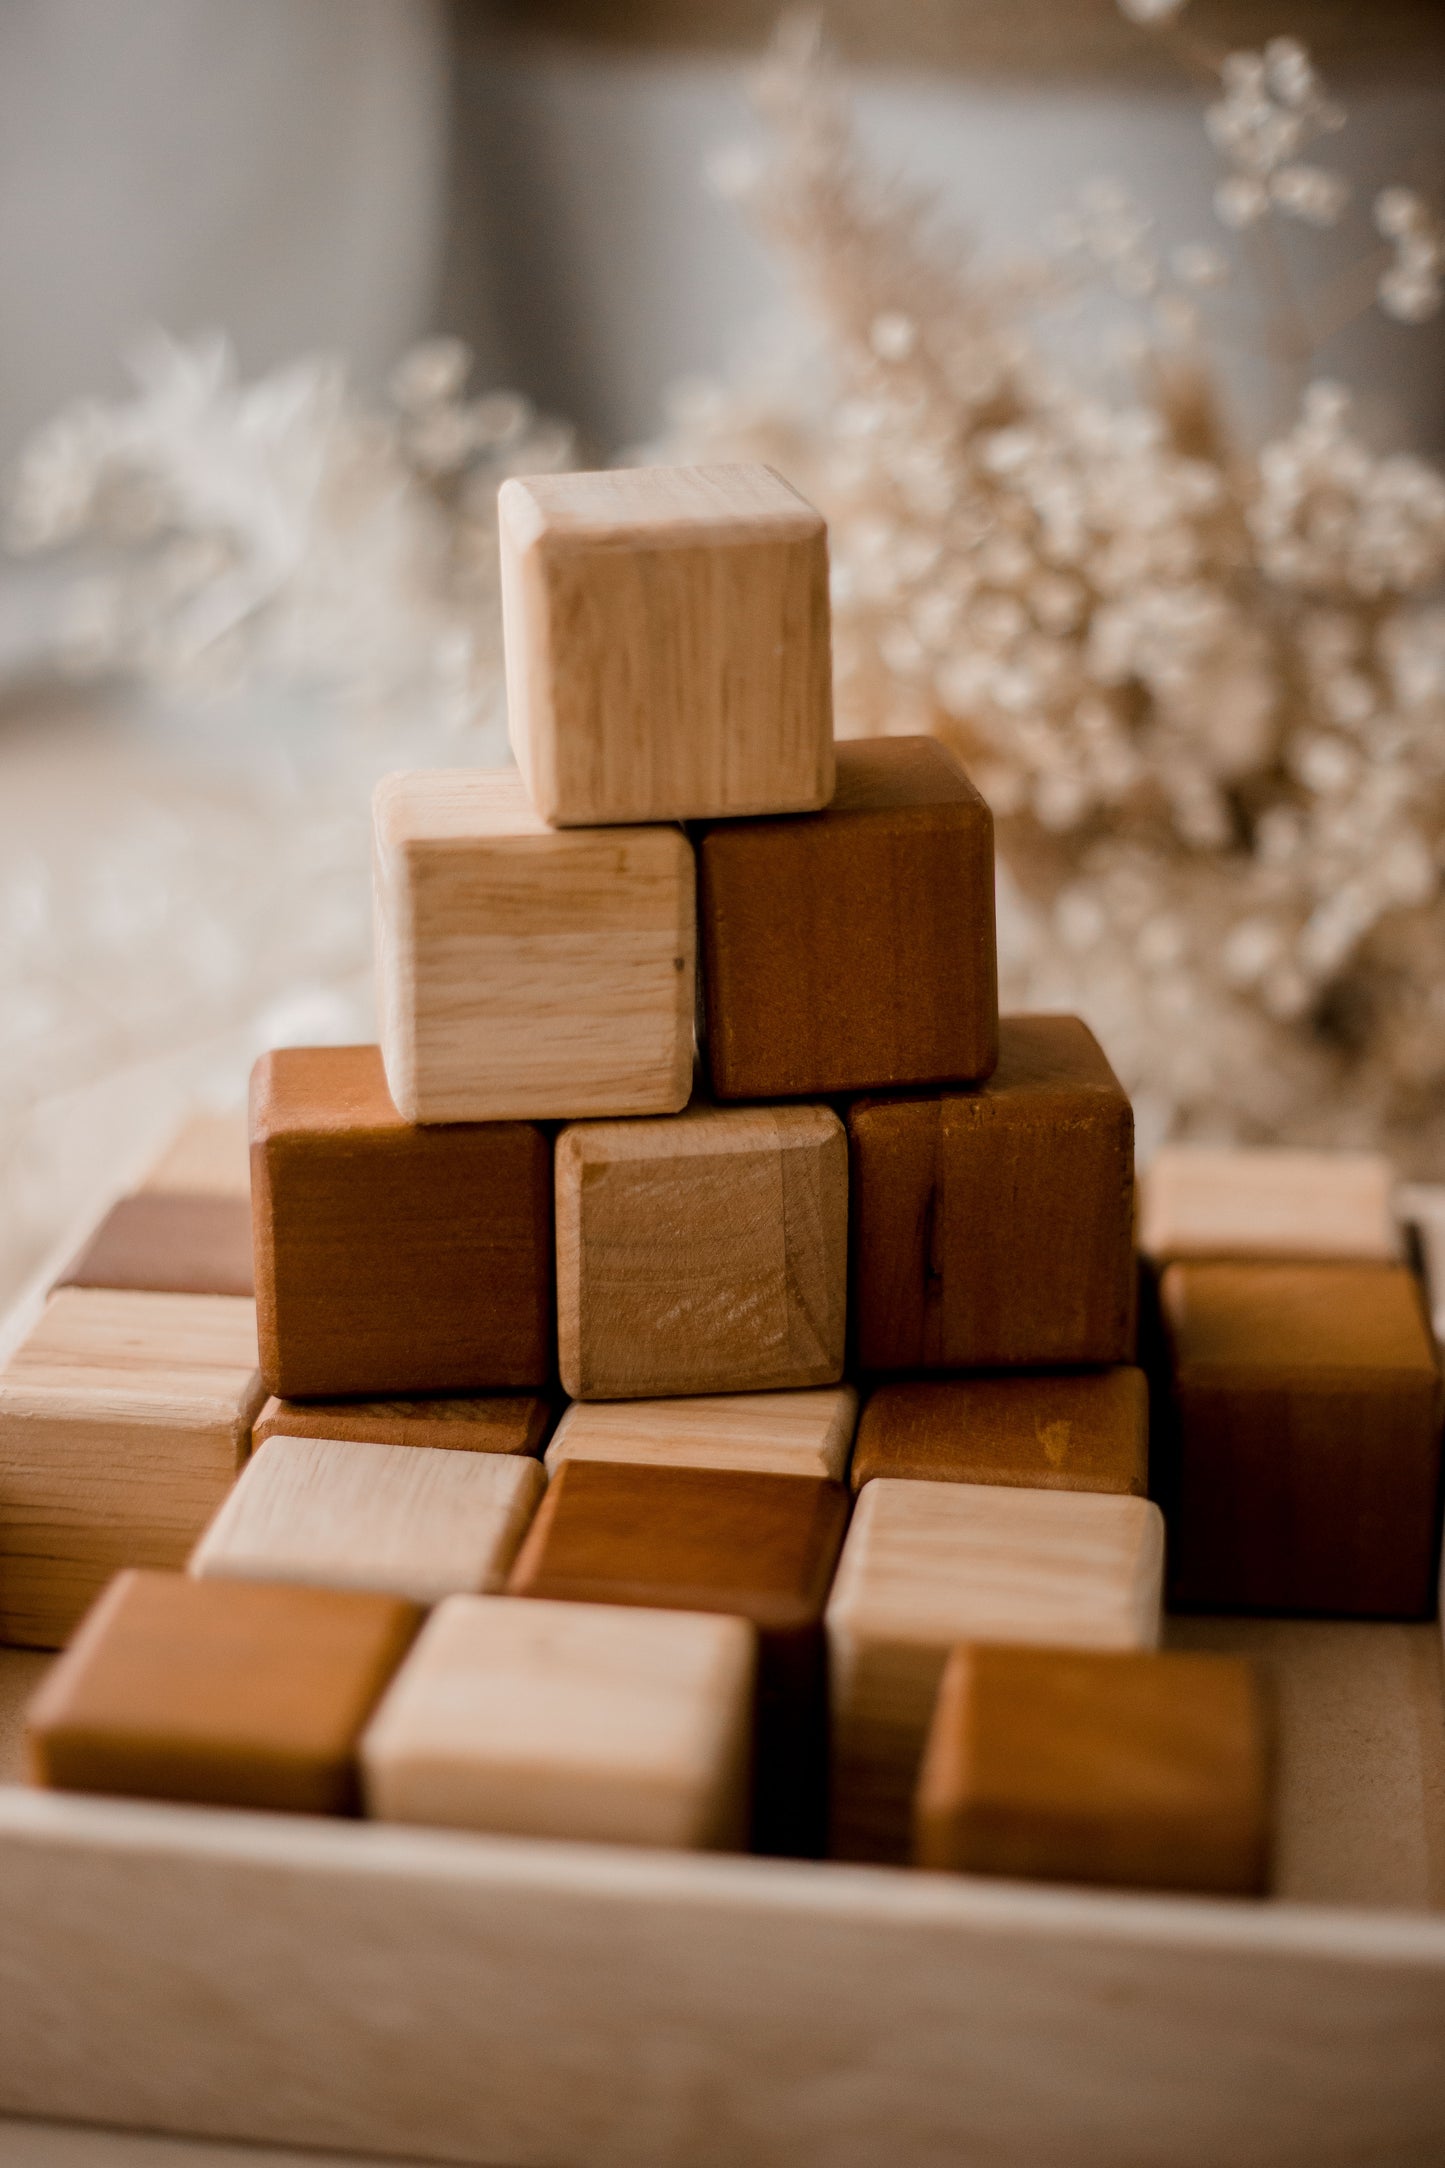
(124, 1418)
(667, 641)
(705, 1254)
(569, 1720)
(461, 1423)
(1224, 1201)
(209, 1156)
(808, 1433)
(522, 972)
(405, 1520)
(926, 1565)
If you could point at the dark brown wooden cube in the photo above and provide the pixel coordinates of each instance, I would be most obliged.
(1082, 1430)
(169, 1242)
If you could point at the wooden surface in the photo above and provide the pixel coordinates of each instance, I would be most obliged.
(1198, 1200)
(1422, 1205)
(1305, 1470)
(209, 1155)
(808, 1433)
(993, 1228)
(525, 972)
(569, 1720)
(229, 1692)
(853, 949)
(927, 1565)
(667, 644)
(391, 1259)
(706, 1254)
(1038, 1430)
(464, 1423)
(1148, 1771)
(123, 1420)
(169, 1242)
(407, 1520)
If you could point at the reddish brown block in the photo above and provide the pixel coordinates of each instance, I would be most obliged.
(393, 1259)
(469, 1423)
(761, 1547)
(993, 1229)
(1085, 1430)
(1306, 1460)
(853, 949)
(169, 1242)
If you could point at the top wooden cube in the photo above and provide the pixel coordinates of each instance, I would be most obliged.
(668, 651)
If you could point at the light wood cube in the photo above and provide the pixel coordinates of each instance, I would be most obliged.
(209, 1155)
(1223, 1201)
(569, 1720)
(523, 972)
(124, 1418)
(807, 1433)
(702, 1255)
(926, 1565)
(668, 646)
(406, 1520)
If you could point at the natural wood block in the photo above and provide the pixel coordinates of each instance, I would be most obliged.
(389, 1258)
(1306, 1470)
(808, 1433)
(993, 1228)
(1223, 1201)
(465, 1423)
(209, 1155)
(706, 1254)
(523, 972)
(760, 1547)
(668, 645)
(571, 1720)
(927, 1565)
(227, 1693)
(407, 1520)
(1070, 1765)
(853, 949)
(1082, 1430)
(123, 1420)
(169, 1242)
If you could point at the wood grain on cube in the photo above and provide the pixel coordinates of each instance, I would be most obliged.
(1306, 1461)
(458, 1423)
(1070, 1765)
(581, 1721)
(390, 1258)
(1084, 1430)
(927, 1565)
(1224, 1201)
(808, 1433)
(408, 1520)
(220, 1692)
(523, 972)
(124, 1418)
(993, 1228)
(667, 643)
(853, 949)
(169, 1242)
(208, 1155)
(706, 1254)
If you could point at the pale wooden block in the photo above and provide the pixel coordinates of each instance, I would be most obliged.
(667, 643)
(705, 1254)
(807, 1433)
(1422, 1206)
(927, 1565)
(405, 1520)
(1201, 1201)
(124, 1418)
(209, 1156)
(588, 1721)
(522, 972)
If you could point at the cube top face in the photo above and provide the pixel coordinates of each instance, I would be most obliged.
(324, 1094)
(667, 644)
(1304, 1322)
(169, 1242)
(227, 1691)
(467, 1423)
(1216, 1201)
(806, 1433)
(1082, 1430)
(690, 1539)
(147, 1357)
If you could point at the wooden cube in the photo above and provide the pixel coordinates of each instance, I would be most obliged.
(408, 1520)
(994, 1228)
(393, 1259)
(707, 1254)
(1082, 1430)
(465, 1423)
(853, 949)
(807, 1433)
(1224, 1201)
(169, 1242)
(521, 972)
(1070, 1765)
(760, 1547)
(927, 1565)
(569, 1720)
(124, 1418)
(667, 641)
(225, 1693)
(208, 1155)
(1307, 1470)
